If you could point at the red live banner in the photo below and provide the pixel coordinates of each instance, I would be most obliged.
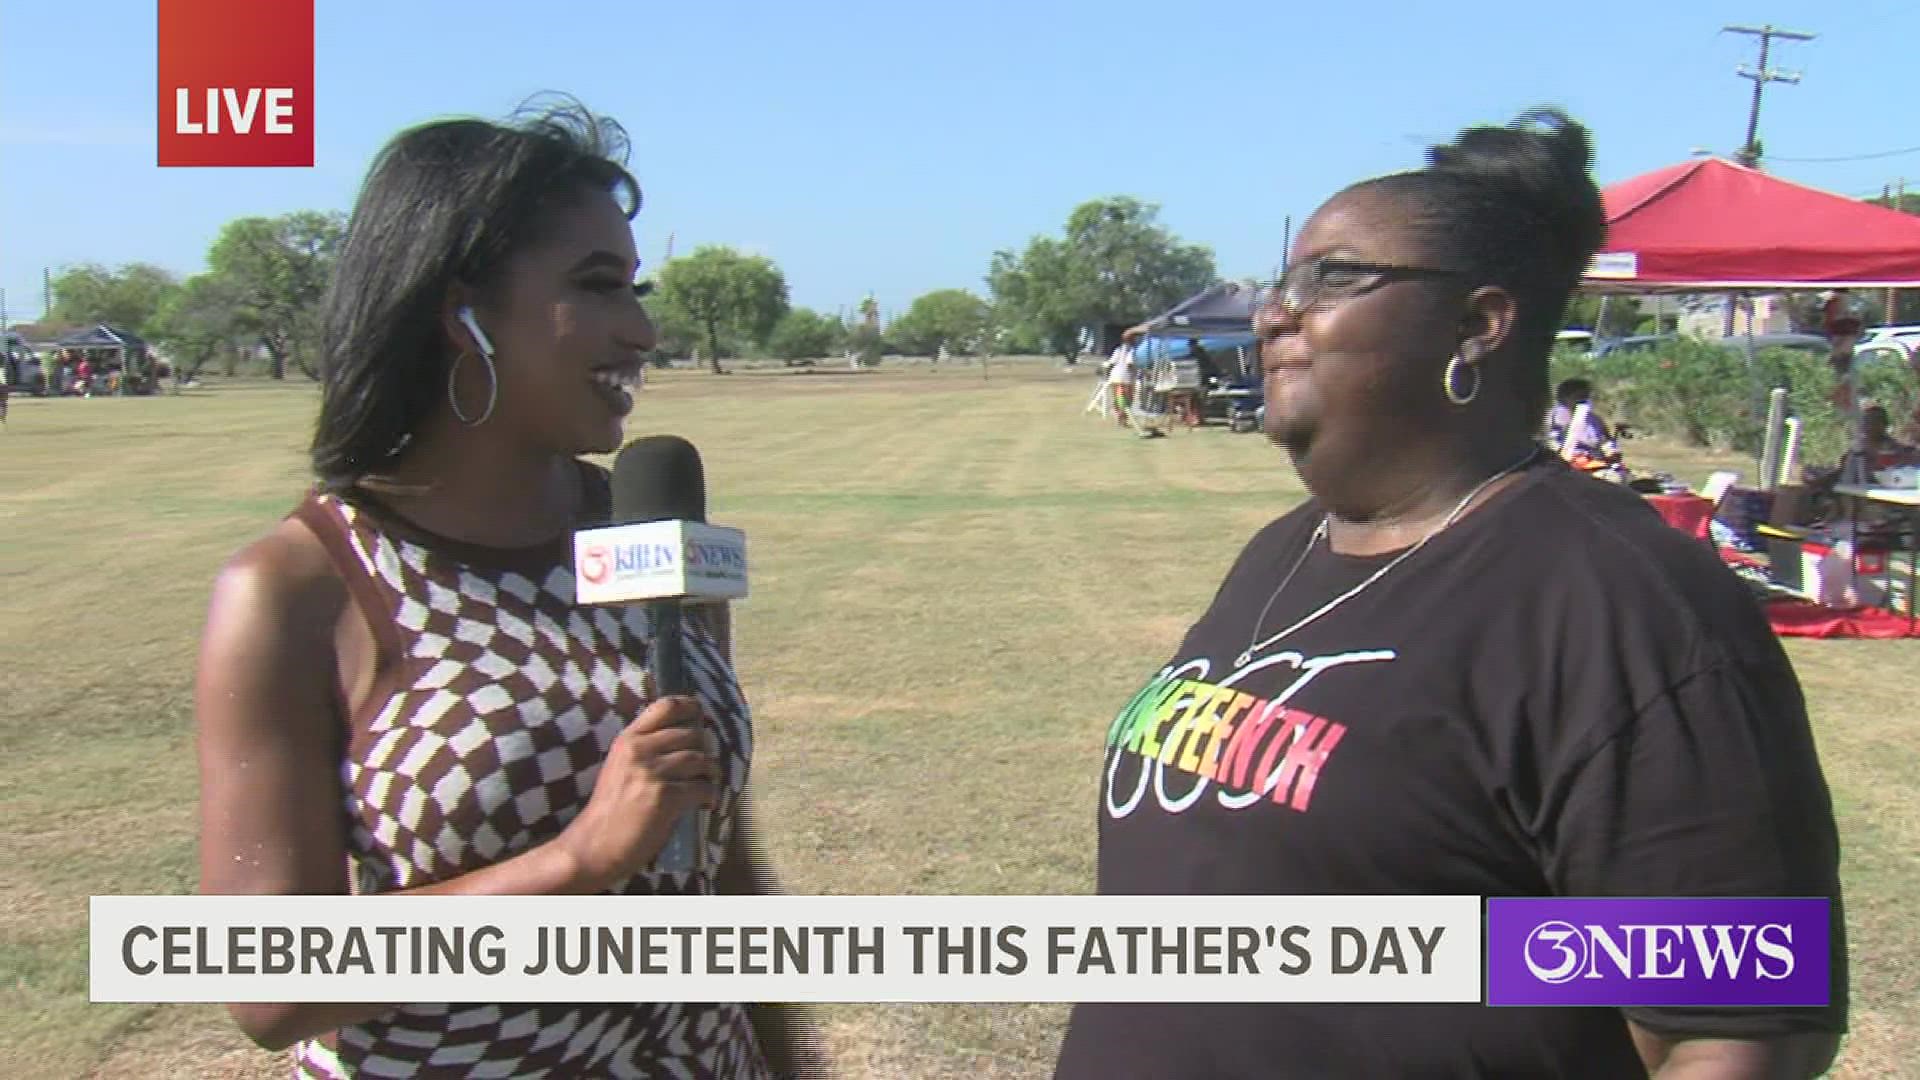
(236, 83)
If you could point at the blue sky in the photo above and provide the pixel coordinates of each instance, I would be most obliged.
(892, 147)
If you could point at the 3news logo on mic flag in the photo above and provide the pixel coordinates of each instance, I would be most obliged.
(1684, 952)
(652, 560)
(236, 83)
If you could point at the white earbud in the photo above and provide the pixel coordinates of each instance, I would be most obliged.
(465, 315)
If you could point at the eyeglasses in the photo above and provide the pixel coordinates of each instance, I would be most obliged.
(1326, 280)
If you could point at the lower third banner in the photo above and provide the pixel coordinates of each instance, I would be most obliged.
(785, 948)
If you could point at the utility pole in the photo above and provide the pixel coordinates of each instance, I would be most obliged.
(1886, 199)
(1898, 201)
(1761, 76)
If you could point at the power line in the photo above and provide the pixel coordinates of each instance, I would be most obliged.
(1849, 157)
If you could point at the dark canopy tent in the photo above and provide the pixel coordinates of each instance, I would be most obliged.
(1219, 319)
(102, 336)
(121, 349)
(1221, 309)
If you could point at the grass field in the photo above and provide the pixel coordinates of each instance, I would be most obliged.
(957, 581)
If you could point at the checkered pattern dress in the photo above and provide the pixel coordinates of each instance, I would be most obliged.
(498, 699)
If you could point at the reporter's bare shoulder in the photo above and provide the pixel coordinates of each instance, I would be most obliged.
(284, 574)
(266, 695)
(272, 624)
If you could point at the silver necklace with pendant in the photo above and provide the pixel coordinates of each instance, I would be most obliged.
(1254, 645)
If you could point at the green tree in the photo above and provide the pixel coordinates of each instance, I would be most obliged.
(1907, 202)
(197, 320)
(677, 330)
(945, 320)
(1012, 336)
(725, 293)
(1906, 302)
(126, 298)
(804, 334)
(279, 267)
(867, 343)
(1115, 263)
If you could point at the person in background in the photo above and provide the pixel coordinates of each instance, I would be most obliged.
(1595, 441)
(1912, 432)
(1202, 359)
(1842, 325)
(1879, 450)
(1120, 377)
(1190, 403)
(375, 711)
(1498, 677)
(1883, 450)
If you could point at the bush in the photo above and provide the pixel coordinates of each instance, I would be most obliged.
(1709, 395)
(868, 345)
(802, 334)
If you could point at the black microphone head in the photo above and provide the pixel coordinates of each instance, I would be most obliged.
(659, 478)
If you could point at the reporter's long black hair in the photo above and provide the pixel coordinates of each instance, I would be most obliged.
(444, 203)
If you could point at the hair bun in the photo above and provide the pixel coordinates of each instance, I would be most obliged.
(1542, 148)
(1542, 161)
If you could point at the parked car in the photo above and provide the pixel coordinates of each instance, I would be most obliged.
(1874, 335)
(1605, 347)
(1889, 350)
(1813, 343)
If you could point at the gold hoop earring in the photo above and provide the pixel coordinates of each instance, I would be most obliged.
(1449, 377)
(453, 399)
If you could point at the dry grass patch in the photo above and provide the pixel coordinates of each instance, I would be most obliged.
(957, 581)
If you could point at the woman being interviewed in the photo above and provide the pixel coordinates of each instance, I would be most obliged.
(1500, 677)
(396, 691)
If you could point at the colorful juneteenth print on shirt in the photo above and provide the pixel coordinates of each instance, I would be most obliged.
(1253, 748)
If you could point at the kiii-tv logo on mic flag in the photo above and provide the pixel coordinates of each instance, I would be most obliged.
(236, 82)
(1677, 952)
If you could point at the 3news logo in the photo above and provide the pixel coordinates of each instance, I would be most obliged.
(1649, 952)
(236, 83)
(599, 563)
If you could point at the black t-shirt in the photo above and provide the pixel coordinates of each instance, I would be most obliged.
(1558, 695)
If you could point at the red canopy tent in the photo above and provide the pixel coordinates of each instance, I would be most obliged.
(1713, 226)
(1710, 225)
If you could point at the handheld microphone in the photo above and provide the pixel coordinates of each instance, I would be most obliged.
(661, 553)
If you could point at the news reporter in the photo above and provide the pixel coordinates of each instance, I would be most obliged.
(396, 692)
(1500, 677)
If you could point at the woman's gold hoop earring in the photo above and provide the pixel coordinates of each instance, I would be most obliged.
(1450, 378)
(493, 390)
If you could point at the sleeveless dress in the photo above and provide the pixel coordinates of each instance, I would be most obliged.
(496, 701)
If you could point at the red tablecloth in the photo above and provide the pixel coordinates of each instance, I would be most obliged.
(1804, 618)
(1691, 514)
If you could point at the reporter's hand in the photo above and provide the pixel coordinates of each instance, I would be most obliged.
(657, 769)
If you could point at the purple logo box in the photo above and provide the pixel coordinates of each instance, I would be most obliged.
(1699, 952)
